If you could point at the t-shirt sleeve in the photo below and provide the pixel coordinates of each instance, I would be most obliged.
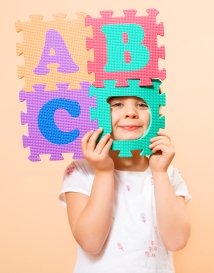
(179, 184)
(79, 179)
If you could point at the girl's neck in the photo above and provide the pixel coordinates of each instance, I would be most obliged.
(136, 163)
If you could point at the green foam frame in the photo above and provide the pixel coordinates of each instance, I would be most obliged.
(150, 94)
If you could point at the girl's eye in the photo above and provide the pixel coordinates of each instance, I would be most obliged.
(142, 105)
(116, 104)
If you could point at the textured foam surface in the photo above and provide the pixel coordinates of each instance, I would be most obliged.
(63, 57)
(49, 132)
(54, 51)
(125, 47)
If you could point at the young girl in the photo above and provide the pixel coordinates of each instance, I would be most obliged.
(126, 214)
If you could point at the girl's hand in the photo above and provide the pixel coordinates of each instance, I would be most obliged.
(97, 154)
(162, 153)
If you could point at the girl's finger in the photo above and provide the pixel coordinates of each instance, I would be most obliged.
(85, 139)
(162, 133)
(101, 144)
(160, 148)
(160, 137)
(160, 141)
(163, 149)
(107, 147)
(92, 140)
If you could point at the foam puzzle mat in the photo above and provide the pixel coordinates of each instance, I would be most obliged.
(72, 66)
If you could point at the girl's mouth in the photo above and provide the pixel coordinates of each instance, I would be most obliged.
(130, 127)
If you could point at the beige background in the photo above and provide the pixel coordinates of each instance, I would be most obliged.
(34, 233)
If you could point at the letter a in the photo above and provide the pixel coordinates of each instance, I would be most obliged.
(61, 55)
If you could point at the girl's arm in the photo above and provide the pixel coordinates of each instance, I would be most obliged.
(172, 218)
(90, 218)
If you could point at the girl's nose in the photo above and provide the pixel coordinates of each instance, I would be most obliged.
(131, 112)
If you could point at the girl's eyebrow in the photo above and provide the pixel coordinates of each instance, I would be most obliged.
(143, 101)
(110, 99)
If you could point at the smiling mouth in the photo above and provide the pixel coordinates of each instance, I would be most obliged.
(130, 127)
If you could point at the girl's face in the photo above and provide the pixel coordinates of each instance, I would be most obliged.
(129, 116)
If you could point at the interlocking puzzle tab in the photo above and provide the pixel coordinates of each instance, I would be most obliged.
(73, 66)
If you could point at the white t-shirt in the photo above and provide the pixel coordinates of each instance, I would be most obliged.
(134, 244)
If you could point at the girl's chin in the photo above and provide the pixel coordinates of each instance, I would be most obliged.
(127, 137)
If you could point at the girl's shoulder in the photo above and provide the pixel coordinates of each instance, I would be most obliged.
(81, 166)
(173, 172)
(176, 178)
(78, 178)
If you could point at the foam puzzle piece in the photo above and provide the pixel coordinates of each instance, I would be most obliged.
(56, 120)
(54, 51)
(151, 96)
(121, 37)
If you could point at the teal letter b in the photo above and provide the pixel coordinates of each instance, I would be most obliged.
(117, 47)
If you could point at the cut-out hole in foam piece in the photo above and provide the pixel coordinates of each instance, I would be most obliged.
(102, 113)
(130, 117)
